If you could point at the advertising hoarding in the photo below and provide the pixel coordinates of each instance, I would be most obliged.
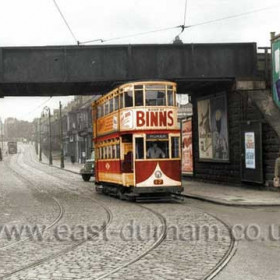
(275, 52)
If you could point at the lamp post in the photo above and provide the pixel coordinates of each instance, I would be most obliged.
(40, 140)
(48, 110)
(2, 141)
(61, 137)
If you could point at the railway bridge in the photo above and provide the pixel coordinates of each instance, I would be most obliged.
(68, 70)
(235, 125)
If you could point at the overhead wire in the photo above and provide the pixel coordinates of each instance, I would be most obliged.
(37, 107)
(129, 36)
(66, 23)
(185, 17)
(233, 16)
(182, 26)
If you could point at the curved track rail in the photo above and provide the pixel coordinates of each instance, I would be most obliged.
(146, 252)
(30, 184)
(228, 255)
(60, 253)
(216, 270)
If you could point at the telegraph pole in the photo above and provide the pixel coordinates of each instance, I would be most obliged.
(40, 140)
(37, 138)
(61, 137)
(2, 141)
(50, 135)
(50, 138)
(2, 136)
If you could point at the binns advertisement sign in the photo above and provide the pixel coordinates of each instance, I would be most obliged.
(149, 118)
(275, 52)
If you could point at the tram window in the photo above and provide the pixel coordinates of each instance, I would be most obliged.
(104, 152)
(116, 103)
(139, 98)
(121, 101)
(139, 148)
(155, 98)
(170, 98)
(109, 149)
(175, 147)
(128, 100)
(157, 149)
(106, 108)
(111, 105)
(114, 151)
(118, 150)
(100, 111)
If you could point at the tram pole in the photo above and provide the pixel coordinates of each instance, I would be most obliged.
(61, 137)
(40, 140)
(50, 137)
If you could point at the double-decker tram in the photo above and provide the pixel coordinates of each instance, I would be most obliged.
(137, 141)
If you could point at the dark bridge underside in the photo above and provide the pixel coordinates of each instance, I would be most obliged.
(53, 71)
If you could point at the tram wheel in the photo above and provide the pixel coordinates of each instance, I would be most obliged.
(86, 177)
(120, 194)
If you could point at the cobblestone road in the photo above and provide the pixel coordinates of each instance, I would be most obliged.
(91, 236)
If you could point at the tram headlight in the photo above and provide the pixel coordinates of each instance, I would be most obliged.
(158, 174)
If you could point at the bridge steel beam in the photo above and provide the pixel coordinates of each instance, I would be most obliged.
(68, 70)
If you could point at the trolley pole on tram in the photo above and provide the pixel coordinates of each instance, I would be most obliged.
(61, 137)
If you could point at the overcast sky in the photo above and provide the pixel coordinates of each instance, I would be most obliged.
(38, 22)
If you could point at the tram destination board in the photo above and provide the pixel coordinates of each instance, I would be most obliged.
(156, 136)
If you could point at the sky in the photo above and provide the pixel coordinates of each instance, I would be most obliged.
(39, 23)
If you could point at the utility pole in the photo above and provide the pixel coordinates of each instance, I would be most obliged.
(2, 136)
(61, 137)
(50, 136)
(37, 138)
(2, 141)
(47, 109)
(40, 140)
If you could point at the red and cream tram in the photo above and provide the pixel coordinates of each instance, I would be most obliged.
(137, 140)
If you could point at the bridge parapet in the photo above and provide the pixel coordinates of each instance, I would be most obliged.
(66, 70)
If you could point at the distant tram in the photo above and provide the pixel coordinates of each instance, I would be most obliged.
(12, 147)
(137, 141)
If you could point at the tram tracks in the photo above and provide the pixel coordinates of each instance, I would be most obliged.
(33, 186)
(109, 217)
(156, 243)
(210, 275)
(147, 251)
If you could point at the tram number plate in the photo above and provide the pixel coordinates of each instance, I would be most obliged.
(158, 182)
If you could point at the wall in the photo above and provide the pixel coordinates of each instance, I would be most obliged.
(240, 108)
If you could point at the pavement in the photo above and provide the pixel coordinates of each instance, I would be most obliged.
(230, 195)
(216, 193)
(68, 166)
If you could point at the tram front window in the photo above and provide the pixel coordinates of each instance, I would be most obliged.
(155, 96)
(128, 99)
(157, 149)
(139, 148)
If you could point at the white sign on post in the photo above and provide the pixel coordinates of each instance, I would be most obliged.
(250, 153)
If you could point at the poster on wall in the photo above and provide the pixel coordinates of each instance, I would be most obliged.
(204, 129)
(219, 128)
(213, 128)
(187, 147)
(275, 44)
(250, 153)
